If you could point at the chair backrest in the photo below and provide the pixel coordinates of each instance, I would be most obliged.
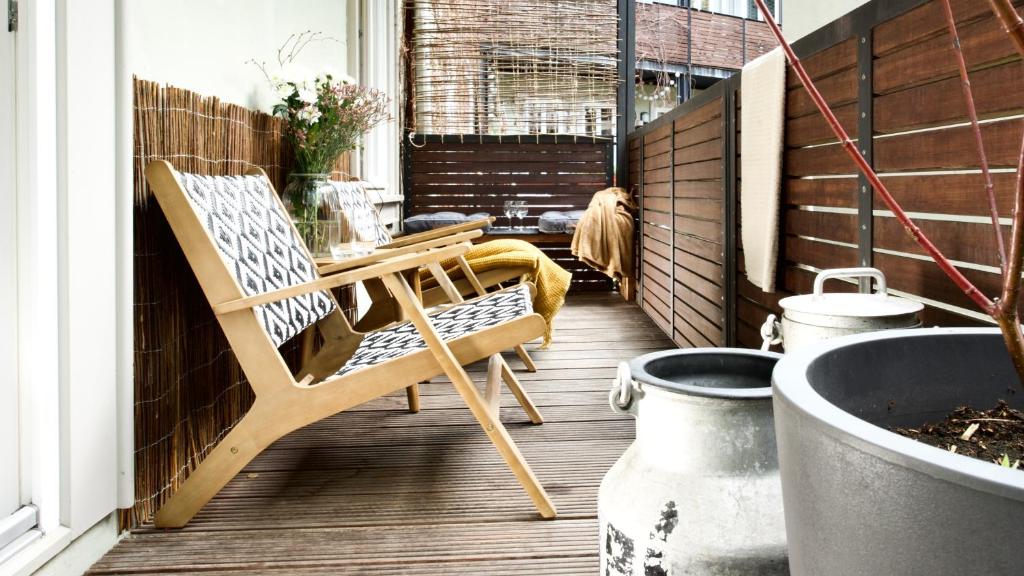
(352, 195)
(255, 239)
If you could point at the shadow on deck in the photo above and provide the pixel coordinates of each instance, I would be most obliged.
(377, 490)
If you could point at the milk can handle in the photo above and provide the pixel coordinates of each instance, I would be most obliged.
(771, 333)
(819, 280)
(621, 395)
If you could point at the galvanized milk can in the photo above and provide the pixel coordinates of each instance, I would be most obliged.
(698, 491)
(818, 316)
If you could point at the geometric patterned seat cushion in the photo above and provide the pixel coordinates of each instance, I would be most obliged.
(451, 323)
(257, 242)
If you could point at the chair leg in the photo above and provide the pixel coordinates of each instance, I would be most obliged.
(412, 394)
(499, 436)
(525, 357)
(471, 396)
(492, 391)
(520, 393)
(245, 441)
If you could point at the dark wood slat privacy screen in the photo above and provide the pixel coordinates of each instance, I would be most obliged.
(911, 104)
(471, 174)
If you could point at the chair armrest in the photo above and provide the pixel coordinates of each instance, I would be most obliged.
(439, 232)
(331, 267)
(382, 268)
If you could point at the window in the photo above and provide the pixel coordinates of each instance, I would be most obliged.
(730, 7)
(773, 5)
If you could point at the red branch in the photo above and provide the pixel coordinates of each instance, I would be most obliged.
(943, 263)
(972, 113)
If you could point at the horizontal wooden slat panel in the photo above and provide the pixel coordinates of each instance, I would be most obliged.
(700, 285)
(924, 278)
(820, 254)
(997, 91)
(819, 161)
(951, 148)
(502, 188)
(707, 170)
(706, 189)
(654, 147)
(471, 177)
(703, 208)
(709, 150)
(826, 62)
(712, 109)
(706, 229)
(662, 189)
(983, 41)
(950, 193)
(925, 21)
(831, 192)
(838, 89)
(813, 129)
(707, 269)
(696, 330)
(700, 304)
(963, 241)
(513, 167)
(827, 225)
(595, 179)
(709, 130)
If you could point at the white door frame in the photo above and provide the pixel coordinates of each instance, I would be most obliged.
(66, 217)
(38, 325)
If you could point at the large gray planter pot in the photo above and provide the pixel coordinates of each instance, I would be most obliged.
(862, 500)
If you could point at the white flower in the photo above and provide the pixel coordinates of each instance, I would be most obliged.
(309, 114)
(283, 89)
(307, 94)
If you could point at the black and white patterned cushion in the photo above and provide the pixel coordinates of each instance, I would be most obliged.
(257, 242)
(353, 195)
(455, 322)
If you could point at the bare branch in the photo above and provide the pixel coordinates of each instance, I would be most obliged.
(972, 113)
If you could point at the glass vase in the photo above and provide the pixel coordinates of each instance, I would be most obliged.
(311, 202)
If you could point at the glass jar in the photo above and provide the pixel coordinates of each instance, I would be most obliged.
(311, 202)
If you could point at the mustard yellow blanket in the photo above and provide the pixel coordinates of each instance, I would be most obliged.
(552, 280)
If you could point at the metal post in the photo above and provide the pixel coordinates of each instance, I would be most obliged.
(729, 180)
(626, 121)
(743, 41)
(865, 132)
(689, 50)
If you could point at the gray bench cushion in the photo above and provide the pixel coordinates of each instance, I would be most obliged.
(554, 222)
(424, 222)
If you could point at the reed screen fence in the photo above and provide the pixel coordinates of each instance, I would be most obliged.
(502, 67)
(189, 389)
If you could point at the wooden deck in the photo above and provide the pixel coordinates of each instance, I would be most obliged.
(377, 490)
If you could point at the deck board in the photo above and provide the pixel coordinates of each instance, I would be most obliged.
(376, 490)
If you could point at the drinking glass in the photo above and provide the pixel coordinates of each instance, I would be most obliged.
(351, 233)
(509, 211)
(339, 238)
(521, 211)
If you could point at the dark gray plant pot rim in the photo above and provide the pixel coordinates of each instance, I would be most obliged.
(640, 374)
(792, 388)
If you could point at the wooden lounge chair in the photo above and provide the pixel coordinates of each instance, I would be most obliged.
(384, 308)
(264, 289)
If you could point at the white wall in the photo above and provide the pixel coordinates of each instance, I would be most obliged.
(801, 17)
(87, 300)
(203, 45)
